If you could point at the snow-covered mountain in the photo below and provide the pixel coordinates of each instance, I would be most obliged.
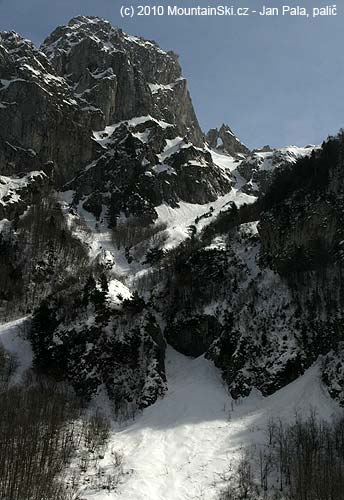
(150, 260)
(162, 200)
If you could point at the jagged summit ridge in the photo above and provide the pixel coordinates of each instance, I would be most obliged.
(102, 31)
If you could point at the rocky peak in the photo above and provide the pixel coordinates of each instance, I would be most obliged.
(225, 140)
(264, 149)
(111, 40)
(122, 75)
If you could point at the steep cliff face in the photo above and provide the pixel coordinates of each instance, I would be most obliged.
(222, 301)
(301, 225)
(122, 75)
(304, 233)
(109, 115)
(42, 122)
(98, 340)
(150, 140)
(87, 76)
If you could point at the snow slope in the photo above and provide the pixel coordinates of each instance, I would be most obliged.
(269, 160)
(12, 338)
(178, 220)
(177, 449)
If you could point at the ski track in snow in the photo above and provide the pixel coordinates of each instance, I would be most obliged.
(177, 448)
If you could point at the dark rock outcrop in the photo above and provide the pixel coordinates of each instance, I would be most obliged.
(17, 193)
(333, 372)
(80, 336)
(224, 140)
(144, 165)
(193, 336)
(41, 121)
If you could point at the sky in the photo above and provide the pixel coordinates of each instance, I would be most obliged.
(274, 80)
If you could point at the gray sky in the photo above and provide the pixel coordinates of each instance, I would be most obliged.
(277, 80)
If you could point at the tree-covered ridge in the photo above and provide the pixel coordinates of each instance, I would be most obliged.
(311, 173)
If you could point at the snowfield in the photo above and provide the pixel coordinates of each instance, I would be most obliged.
(179, 219)
(178, 448)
